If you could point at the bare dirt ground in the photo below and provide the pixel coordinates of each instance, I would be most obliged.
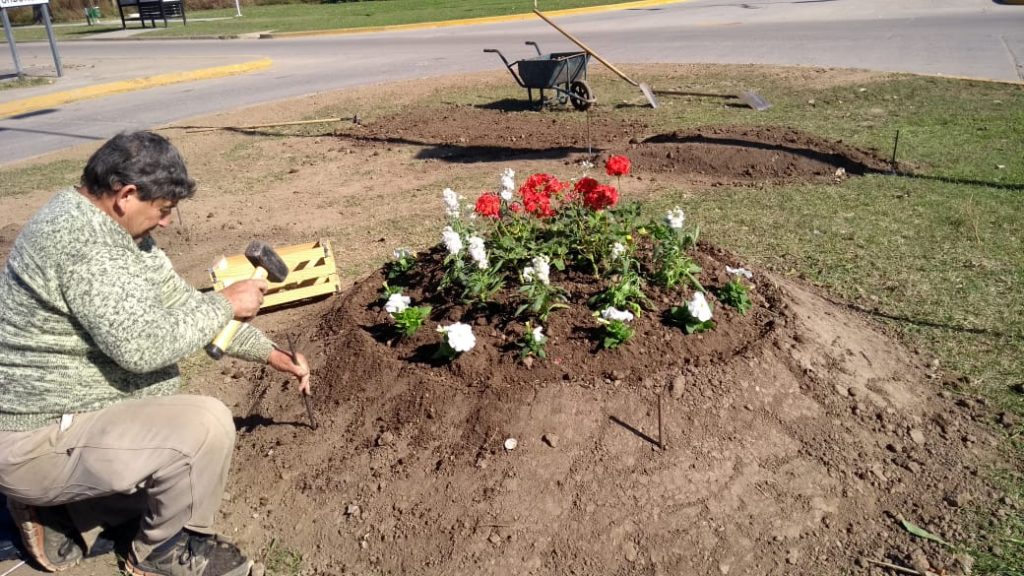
(795, 437)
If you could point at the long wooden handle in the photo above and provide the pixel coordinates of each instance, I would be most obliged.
(220, 344)
(588, 50)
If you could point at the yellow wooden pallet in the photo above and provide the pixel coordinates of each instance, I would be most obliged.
(311, 272)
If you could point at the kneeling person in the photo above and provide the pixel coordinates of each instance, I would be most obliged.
(93, 320)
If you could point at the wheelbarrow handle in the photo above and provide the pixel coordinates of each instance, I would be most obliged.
(509, 65)
(535, 47)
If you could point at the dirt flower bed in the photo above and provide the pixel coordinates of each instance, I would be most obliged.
(562, 386)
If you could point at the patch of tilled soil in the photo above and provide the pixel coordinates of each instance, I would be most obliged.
(713, 155)
(795, 436)
(753, 154)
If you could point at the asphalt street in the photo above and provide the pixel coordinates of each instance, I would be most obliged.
(968, 38)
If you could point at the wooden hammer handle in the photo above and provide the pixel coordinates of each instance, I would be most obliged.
(588, 50)
(227, 334)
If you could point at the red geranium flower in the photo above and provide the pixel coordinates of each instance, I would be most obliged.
(600, 197)
(489, 205)
(545, 184)
(585, 185)
(515, 207)
(537, 192)
(617, 166)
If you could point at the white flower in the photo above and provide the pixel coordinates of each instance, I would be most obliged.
(451, 240)
(401, 253)
(618, 249)
(699, 307)
(739, 272)
(459, 336)
(451, 202)
(538, 335)
(612, 313)
(540, 270)
(675, 218)
(477, 252)
(586, 165)
(397, 303)
(508, 184)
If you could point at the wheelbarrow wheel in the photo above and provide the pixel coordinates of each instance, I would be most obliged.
(581, 95)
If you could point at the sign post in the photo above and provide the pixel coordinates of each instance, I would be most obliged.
(10, 42)
(4, 5)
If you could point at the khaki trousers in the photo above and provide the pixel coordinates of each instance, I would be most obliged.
(164, 459)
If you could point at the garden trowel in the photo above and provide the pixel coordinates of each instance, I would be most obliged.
(648, 93)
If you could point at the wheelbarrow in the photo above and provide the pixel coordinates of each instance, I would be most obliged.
(563, 72)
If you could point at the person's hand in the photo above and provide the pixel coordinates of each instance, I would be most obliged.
(246, 297)
(282, 362)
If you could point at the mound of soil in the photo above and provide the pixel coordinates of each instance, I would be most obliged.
(724, 154)
(791, 441)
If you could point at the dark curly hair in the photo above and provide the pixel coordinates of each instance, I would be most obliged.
(147, 160)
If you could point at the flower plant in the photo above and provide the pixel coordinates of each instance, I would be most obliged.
(408, 319)
(455, 339)
(735, 293)
(533, 341)
(695, 316)
(515, 250)
(616, 327)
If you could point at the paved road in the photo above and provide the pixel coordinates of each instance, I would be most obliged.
(975, 38)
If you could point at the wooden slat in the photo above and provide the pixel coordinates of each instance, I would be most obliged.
(299, 294)
(311, 273)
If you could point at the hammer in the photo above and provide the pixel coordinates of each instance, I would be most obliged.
(270, 266)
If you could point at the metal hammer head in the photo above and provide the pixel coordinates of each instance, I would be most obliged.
(261, 255)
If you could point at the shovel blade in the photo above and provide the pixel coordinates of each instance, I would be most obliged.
(649, 94)
(755, 101)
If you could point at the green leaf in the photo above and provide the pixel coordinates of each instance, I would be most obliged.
(921, 532)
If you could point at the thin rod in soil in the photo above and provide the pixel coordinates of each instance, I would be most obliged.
(895, 145)
(661, 431)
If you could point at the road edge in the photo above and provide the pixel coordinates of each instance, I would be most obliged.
(44, 101)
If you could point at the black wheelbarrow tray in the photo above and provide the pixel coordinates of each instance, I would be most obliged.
(563, 72)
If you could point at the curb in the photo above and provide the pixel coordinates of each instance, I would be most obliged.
(471, 21)
(26, 105)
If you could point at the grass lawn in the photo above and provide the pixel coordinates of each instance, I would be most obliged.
(302, 17)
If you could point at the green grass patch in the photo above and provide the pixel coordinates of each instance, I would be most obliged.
(62, 32)
(281, 561)
(309, 17)
(48, 176)
(23, 82)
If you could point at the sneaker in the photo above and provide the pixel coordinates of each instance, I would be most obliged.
(48, 535)
(191, 554)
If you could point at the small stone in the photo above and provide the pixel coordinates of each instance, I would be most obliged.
(364, 544)
(811, 102)
(965, 562)
(676, 388)
(917, 436)
(724, 569)
(258, 569)
(550, 440)
(528, 361)
(793, 556)
(511, 443)
(494, 538)
(630, 552)
(352, 510)
(958, 499)
(919, 560)
(386, 439)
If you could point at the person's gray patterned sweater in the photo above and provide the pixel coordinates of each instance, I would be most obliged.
(88, 317)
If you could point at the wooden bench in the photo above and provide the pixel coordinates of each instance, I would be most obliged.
(151, 10)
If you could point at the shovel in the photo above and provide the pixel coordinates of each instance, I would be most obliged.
(648, 93)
